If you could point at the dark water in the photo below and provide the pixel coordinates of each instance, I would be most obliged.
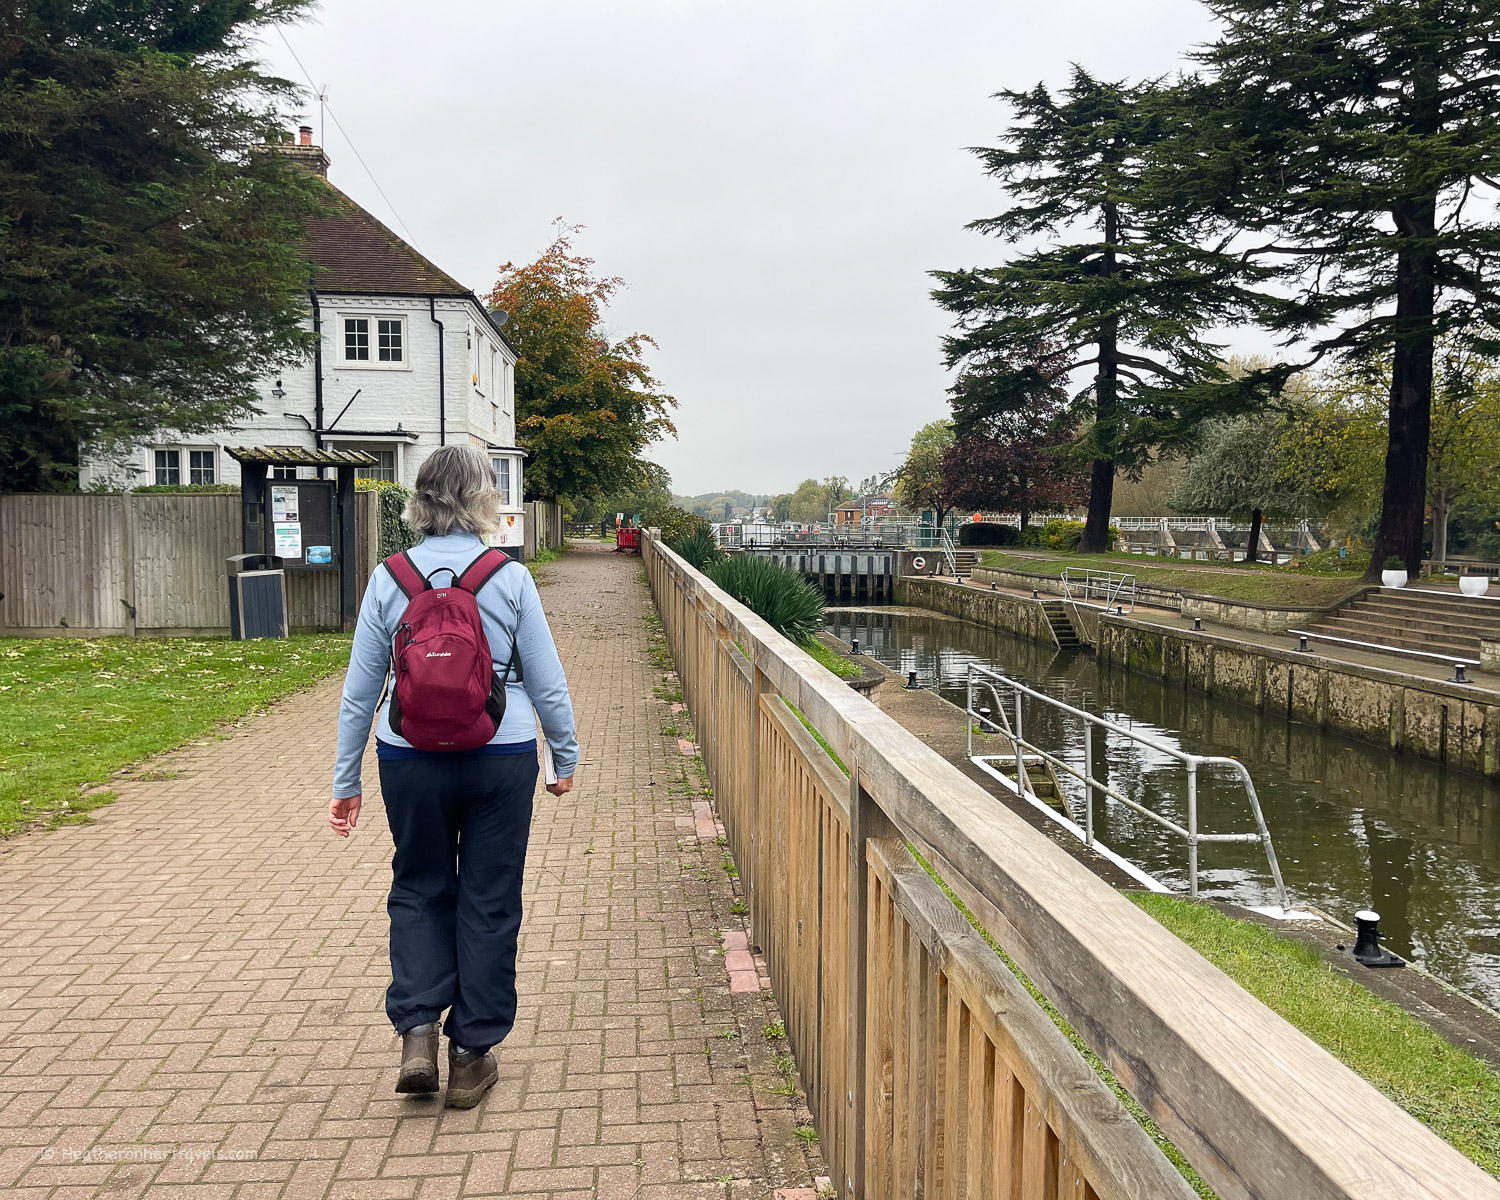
(1354, 826)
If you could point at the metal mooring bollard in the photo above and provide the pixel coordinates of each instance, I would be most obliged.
(854, 646)
(1367, 942)
(994, 587)
(1197, 624)
(911, 681)
(1458, 674)
(1301, 641)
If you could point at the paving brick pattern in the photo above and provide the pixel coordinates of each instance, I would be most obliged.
(191, 987)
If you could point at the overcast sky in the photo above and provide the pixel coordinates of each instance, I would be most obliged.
(773, 180)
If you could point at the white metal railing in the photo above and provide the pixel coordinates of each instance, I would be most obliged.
(1108, 589)
(950, 554)
(999, 721)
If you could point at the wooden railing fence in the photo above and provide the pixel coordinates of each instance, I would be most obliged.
(929, 1068)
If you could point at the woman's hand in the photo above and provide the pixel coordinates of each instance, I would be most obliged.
(561, 786)
(343, 814)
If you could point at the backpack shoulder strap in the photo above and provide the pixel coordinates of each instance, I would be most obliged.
(482, 569)
(410, 580)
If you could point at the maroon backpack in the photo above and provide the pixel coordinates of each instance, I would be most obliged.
(445, 694)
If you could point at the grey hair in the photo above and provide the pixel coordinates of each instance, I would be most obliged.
(455, 492)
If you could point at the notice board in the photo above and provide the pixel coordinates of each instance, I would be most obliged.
(302, 527)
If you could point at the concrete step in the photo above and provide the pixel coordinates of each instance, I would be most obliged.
(1380, 620)
(1403, 600)
(1386, 634)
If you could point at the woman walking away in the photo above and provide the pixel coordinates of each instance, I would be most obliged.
(459, 630)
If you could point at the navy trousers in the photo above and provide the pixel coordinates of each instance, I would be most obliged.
(460, 823)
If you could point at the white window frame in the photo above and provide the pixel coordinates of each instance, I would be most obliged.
(170, 464)
(368, 472)
(213, 465)
(373, 335)
(505, 481)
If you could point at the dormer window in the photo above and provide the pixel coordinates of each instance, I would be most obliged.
(375, 341)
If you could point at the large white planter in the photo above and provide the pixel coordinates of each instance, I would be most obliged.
(1474, 585)
(1393, 578)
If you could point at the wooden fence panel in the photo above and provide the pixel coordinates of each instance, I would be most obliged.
(943, 1077)
(62, 564)
(182, 544)
(153, 563)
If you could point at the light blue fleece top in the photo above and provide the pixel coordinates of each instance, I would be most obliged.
(512, 614)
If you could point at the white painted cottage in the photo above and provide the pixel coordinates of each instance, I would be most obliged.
(408, 359)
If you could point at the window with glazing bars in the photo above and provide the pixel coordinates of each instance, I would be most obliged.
(384, 468)
(389, 334)
(502, 478)
(200, 466)
(357, 339)
(168, 467)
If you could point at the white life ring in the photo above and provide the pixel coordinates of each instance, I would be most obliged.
(918, 563)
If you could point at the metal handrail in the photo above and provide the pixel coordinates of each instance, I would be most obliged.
(993, 681)
(1115, 589)
(950, 554)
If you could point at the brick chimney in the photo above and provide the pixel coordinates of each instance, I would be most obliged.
(304, 153)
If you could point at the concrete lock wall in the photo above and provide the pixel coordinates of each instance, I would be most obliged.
(1427, 717)
(1240, 614)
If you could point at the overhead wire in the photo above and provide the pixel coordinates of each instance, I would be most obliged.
(306, 74)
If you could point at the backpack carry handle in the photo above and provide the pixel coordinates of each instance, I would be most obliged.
(412, 582)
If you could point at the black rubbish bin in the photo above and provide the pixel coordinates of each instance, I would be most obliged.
(257, 598)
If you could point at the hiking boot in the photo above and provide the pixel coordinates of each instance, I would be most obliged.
(419, 1060)
(470, 1075)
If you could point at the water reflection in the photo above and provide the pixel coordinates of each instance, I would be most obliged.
(1354, 825)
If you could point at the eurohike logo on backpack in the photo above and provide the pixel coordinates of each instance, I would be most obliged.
(446, 694)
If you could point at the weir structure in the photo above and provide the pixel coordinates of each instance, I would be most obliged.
(929, 1068)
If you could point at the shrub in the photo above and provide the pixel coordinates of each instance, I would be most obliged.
(699, 549)
(1061, 535)
(988, 533)
(674, 523)
(1329, 562)
(781, 598)
(1394, 562)
(186, 489)
(395, 534)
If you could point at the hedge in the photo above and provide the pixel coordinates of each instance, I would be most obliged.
(395, 534)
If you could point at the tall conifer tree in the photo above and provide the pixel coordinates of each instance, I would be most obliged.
(1111, 290)
(150, 262)
(1360, 140)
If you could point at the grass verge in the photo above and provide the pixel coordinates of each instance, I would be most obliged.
(1453, 1093)
(548, 554)
(1261, 583)
(840, 665)
(72, 711)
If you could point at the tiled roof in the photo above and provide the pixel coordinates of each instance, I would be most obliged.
(289, 456)
(356, 253)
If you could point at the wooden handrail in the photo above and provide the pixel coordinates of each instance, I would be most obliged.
(1257, 1107)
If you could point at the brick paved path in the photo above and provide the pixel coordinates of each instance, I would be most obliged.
(191, 988)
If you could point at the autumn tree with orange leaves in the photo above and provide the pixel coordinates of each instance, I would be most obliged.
(587, 405)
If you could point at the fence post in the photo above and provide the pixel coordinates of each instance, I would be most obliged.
(749, 813)
(866, 821)
(127, 555)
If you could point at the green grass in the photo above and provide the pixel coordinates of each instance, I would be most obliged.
(1453, 1093)
(841, 665)
(1259, 582)
(72, 711)
(818, 737)
(548, 554)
